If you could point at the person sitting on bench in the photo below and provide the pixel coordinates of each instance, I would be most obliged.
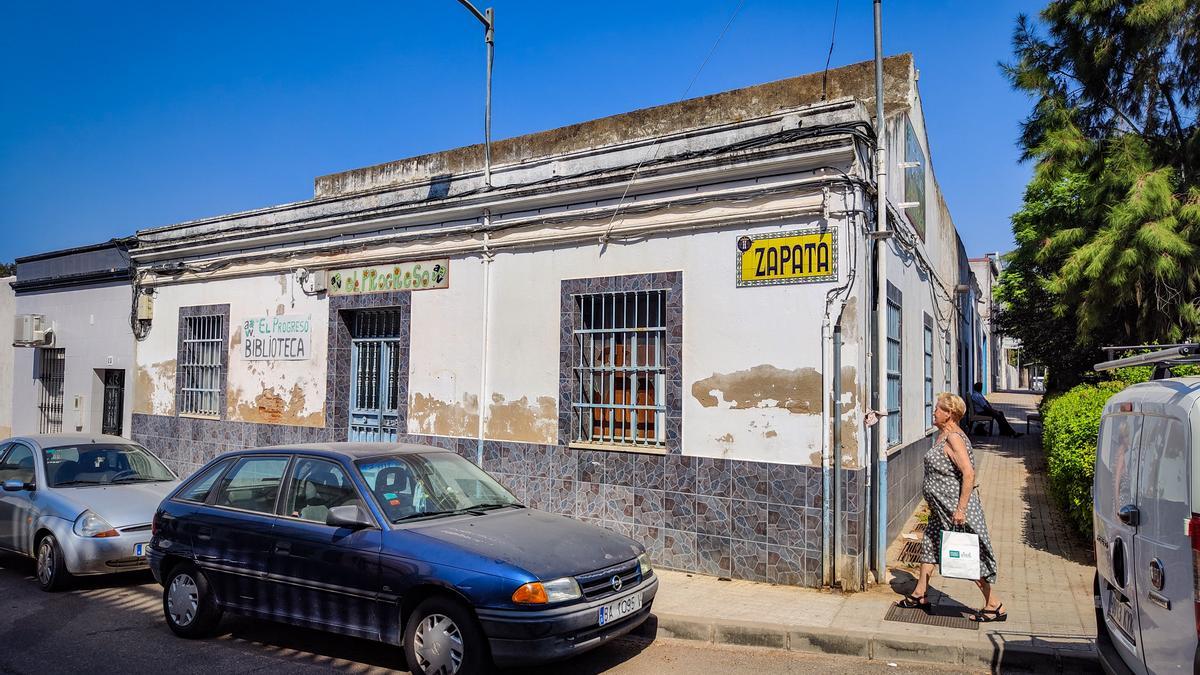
(982, 407)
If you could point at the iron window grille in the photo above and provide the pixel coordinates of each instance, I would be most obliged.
(895, 352)
(51, 365)
(201, 364)
(620, 340)
(928, 334)
(948, 371)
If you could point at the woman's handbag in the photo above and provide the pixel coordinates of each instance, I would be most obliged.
(960, 555)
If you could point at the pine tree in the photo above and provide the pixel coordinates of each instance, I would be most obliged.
(1116, 89)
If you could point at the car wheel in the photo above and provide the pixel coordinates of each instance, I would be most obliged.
(443, 638)
(188, 602)
(52, 574)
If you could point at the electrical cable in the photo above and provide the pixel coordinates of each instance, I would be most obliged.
(829, 56)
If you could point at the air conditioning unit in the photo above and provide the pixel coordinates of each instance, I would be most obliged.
(32, 330)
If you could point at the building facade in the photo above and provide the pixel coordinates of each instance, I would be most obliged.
(76, 378)
(658, 322)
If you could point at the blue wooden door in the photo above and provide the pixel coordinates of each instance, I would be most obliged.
(375, 367)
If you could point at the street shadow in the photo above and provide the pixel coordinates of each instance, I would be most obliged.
(904, 582)
(603, 658)
(1018, 652)
(19, 567)
(1041, 529)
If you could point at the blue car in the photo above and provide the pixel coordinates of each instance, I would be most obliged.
(405, 544)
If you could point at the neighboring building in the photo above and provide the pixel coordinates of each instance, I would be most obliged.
(657, 322)
(76, 378)
(7, 306)
(988, 352)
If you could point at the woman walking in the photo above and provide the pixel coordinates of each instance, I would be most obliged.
(949, 489)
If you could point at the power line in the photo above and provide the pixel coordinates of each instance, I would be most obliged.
(829, 56)
(653, 153)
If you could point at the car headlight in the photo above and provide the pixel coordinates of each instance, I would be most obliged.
(644, 565)
(91, 525)
(542, 592)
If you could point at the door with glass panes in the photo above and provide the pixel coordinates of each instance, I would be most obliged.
(375, 375)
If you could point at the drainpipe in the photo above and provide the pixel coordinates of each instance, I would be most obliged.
(487, 256)
(836, 520)
(878, 493)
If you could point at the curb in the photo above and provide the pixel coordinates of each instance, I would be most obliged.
(872, 646)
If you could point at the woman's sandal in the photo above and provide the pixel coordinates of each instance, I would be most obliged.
(986, 615)
(915, 602)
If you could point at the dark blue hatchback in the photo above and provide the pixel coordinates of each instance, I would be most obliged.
(404, 544)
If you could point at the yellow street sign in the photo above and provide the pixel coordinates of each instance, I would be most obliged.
(803, 256)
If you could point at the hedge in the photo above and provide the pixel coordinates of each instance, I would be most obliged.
(1071, 425)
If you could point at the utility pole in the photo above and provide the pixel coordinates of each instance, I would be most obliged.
(488, 19)
(878, 362)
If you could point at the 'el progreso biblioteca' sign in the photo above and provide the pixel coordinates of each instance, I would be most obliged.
(277, 338)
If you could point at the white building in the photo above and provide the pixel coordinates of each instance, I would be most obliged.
(73, 377)
(658, 322)
(7, 311)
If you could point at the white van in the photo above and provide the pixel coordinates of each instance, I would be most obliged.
(1147, 536)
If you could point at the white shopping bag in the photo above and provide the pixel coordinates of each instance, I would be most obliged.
(960, 555)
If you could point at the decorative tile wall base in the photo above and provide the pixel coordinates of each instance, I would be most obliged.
(905, 473)
(728, 518)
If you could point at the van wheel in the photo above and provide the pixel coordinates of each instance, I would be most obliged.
(443, 638)
(188, 603)
(52, 574)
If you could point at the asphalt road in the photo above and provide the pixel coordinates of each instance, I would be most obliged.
(115, 625)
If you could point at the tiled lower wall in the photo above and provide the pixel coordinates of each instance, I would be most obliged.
(905, 472)
(729, 518)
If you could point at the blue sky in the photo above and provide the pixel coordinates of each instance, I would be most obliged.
(121, 116)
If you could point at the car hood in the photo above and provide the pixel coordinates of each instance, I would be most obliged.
(544, 544)
(120, 505)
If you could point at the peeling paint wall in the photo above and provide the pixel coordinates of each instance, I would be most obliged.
(275, 392)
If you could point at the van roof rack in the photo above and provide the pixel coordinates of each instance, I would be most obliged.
(1162, 359)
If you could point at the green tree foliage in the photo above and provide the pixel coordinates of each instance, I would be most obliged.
(1108, 240)
(8, 269)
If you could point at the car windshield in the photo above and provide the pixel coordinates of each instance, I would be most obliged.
(413, 486)
(102, 464)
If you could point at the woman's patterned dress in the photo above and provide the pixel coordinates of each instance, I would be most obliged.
(942, 487)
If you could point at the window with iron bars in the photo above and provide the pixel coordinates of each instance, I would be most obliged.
(928, 371)
(51, 365)
(200, 365)
(620, 341)
(895, 352)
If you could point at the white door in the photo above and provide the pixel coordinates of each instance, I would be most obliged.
(1162, 548)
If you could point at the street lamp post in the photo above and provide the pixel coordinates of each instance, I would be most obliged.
(488, 19)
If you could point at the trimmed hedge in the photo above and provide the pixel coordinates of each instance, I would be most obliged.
(1071, 426)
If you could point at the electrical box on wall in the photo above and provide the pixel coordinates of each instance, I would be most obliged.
(77, 407)
(145, 307)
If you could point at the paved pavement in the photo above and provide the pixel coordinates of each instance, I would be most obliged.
(1045, 580)
(115, 625)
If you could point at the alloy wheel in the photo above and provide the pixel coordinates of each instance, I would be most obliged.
(438, 645)
(45, 562)
(183, 599)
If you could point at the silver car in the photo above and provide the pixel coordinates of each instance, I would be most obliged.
(79, 504)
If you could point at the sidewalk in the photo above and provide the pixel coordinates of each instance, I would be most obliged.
(1045, 580)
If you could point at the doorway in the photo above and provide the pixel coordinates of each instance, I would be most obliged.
(374, 372)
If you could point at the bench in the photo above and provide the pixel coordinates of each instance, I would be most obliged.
(1032, 417)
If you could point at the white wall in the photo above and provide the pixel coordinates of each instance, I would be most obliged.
(92, 327)
(7, 312)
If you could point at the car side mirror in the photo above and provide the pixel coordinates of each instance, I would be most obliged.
(16, 485)
(350, 515)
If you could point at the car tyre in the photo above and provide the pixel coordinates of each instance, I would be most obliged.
(52, 574)
(442, 637)
(189, 605)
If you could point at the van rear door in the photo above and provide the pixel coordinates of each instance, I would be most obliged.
(1162, 548)
(1113, 507)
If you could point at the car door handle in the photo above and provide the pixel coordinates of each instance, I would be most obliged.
(1129, 515)
(283, 547)
(204, 533)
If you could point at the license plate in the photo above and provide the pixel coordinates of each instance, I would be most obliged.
(139, 549)
(1121, 614)
(621, 608)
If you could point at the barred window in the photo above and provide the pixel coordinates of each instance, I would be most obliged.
(894, 353)
(200, 364)
(928, 371)
(948, 371)
(620, 341)
(51, 364)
